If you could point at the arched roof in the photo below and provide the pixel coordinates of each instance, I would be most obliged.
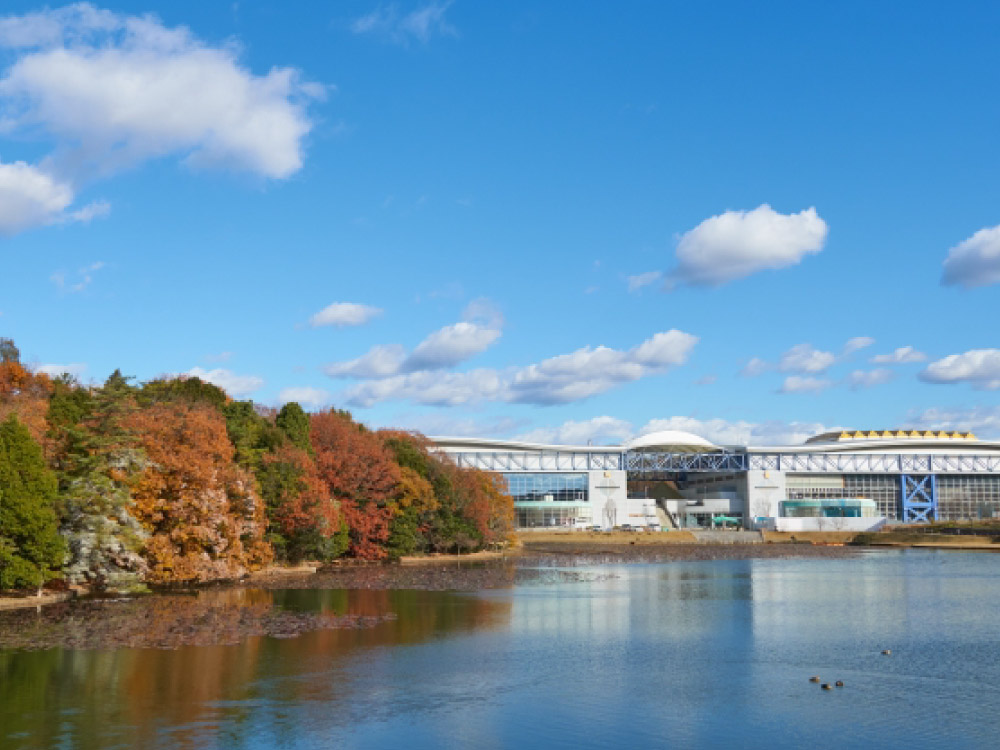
(675, 441)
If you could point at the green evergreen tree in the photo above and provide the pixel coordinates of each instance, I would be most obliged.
(31, 549)
(294, 423)
(97, 460)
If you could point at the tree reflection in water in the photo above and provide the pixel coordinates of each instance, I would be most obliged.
(167, 670)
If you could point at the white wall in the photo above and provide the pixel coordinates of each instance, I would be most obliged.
(608, 491)
(765, 489)
(829, 524)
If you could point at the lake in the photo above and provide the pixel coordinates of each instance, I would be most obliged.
(685, 654)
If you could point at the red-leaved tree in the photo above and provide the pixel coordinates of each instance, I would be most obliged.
(359, 472)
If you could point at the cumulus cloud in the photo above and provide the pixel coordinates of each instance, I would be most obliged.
(421, 24)
(113, 90)
(233, 384)
(975, 261)
(904, 355)
(314, 398)
(562, 379)
(430, 388)
(643, 279)
(598, 431)
(344, 314)
(447, 425)
(449, 346)
(380, 362)
(736, 244)
(739, 432)
(756, 366)
(590, 371)
(444, 348)
(29, 197)
(803, 358)
(984, 421)
(75, 370)
(859, 379)
(803, 384)
(979, 367)
(857, 343)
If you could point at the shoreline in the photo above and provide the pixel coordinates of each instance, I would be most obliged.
(491, 569)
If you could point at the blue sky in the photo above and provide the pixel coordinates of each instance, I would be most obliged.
(564, 221)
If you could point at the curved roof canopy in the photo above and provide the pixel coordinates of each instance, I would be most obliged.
(674, 441)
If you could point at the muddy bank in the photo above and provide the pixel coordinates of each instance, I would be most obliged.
(571, 552)
(205, 618)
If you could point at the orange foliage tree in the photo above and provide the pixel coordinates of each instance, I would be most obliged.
(360, 472)
(205, 518)
(25, 394)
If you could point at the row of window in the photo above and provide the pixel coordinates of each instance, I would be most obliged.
(568, 488)
(967, 496)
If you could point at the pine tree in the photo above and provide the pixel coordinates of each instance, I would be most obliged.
(31, 550)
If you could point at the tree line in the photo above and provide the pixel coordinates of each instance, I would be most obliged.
(121, 485)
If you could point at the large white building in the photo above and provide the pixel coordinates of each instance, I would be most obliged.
(839, 480)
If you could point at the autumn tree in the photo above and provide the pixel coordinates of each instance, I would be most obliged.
(305, 519)
(202, 511)
(31, 550)
(23, 393)
(359, 471)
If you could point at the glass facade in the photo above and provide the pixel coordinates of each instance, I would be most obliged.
(969, 496)
(960, 496)
(549, 499)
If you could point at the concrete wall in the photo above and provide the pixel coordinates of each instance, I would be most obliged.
(608, 494)
(764, 490)
(828, 524)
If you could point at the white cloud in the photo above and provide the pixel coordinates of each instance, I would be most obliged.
(430, 388)
(736, 244)
(314, 398)
(801, 384)
(233, 384)
(726, 432)
(444, 424)
(75, 369)
(444, 348)
(79, 281)
(344, 314)
(30, 198)
(220, 357)
(421, 24)
(113, 90)
(643, 279)
(804, 359)
(857, 343)
(974, 261)
(979, 367)
(379, 362)
(449, 346)
(904, 355)
(589, 371)
(95, 210)
(984, 421)
(706, 380)
(756, 366)
(598, 430)
(859, 379)
(118, 89)
(562, 379)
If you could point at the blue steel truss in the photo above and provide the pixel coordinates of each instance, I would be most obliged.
(920, 498)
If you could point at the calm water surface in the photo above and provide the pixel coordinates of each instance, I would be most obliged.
(701, 654)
